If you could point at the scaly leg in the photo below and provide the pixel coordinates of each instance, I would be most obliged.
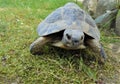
(36, 46)
(97, 48)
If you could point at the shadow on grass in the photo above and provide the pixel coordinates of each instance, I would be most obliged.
(87, 56)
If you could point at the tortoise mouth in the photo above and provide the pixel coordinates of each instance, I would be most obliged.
(68, 47)
(74, 46)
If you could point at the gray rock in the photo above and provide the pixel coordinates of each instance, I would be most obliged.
(90, 6)
(104, 5)
(106, 19)
(117, 29)
(98, 7)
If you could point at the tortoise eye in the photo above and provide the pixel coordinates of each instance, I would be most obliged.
(82, 38)
(68, 36)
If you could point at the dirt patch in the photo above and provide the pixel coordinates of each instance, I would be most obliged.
(2, 9)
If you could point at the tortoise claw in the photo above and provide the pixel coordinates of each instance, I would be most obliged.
(35, 50)
(103, 55)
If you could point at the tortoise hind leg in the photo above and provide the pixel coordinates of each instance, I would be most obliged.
(36, 46)
(97, 47)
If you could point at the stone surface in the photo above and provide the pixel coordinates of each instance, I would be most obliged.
(90, 6)
(104, 5)
(107, 19)
(98, 7)
(117, 28)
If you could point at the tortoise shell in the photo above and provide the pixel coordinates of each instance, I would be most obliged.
(68, 16)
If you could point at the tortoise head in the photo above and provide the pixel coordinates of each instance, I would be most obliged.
(73, 38)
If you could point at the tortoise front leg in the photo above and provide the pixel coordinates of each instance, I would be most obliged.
(36, 46)
(97, 47)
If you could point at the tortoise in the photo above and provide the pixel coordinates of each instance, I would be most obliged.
(68, 27)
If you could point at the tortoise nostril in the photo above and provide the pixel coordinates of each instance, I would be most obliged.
(68, 36)
(75, 41)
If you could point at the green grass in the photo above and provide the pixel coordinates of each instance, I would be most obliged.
(18, 22)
